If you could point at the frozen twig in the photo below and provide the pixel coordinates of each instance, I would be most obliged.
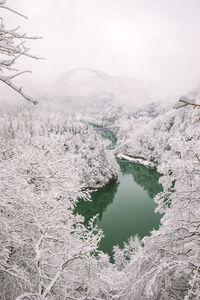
(12, 47)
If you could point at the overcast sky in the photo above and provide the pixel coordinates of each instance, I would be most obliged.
(155, 40)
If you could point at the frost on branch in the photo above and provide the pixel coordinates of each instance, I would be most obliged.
(46, 252)
(12, 47)
(192, 98)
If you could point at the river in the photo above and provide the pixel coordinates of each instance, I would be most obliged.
(125, 207)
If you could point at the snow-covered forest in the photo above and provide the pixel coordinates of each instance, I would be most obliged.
(48, 160)
(51, 157)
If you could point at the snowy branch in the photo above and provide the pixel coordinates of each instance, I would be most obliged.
(183, 101)
(12, 48)
(7, 81)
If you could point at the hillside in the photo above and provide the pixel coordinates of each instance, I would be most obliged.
(82, 87)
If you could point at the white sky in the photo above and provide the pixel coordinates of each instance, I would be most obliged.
(155, 40)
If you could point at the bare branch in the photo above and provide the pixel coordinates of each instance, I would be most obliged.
(189, 103)
(17, 74)
(13, 33)
(7, 81)
(12, 48)
(12, 10)
(182, 102)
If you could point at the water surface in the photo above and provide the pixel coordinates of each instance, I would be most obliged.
(125, 207)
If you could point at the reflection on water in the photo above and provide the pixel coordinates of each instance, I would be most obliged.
(125, 207)
(109, 139)
(100, 200)
(146, 177)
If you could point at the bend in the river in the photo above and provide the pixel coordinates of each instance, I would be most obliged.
(125, 207)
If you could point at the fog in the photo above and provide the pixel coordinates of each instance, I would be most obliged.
(151, 40)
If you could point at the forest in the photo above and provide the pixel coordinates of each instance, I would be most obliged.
(51, 157)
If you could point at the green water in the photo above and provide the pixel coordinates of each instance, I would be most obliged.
(125, 207)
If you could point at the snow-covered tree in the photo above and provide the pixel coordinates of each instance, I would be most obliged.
(166, 264)
(46, 251)
(191, 99)
(12, 47)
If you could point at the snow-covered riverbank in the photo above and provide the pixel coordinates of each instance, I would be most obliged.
(139, 161)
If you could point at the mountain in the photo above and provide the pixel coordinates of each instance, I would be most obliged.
(87, 83)
(83, 82)
(84, 74)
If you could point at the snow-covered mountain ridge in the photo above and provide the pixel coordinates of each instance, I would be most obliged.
(88, 83)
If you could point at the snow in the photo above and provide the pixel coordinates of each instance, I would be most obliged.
(82, 82)
(83, 74)
(86, 83)
(192, 98)
(49, 159)
(135, 160)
